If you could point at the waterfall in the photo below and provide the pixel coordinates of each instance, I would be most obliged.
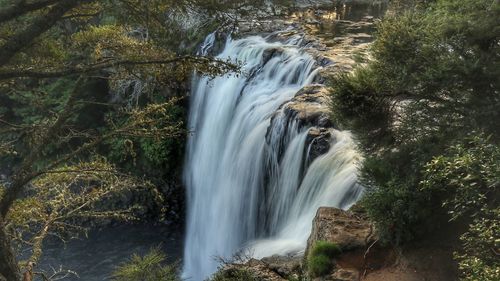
(249, 184)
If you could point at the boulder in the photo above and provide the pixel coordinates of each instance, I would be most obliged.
(286, 266)
(350, 231)
(259, 269)
(271, 53)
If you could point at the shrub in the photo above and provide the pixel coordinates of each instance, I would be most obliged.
(356, 105)
(233, 274)
(150, 267)
(478, 259)
(320, 259)
(319, 265)
(432, 79)
(325, 248)
(468, 173)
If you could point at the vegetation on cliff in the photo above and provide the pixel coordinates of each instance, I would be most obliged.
(425, 110)
(320, 259)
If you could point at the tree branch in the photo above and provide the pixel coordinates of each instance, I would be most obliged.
(26, 173)
(22, 8)
(38, 26)
(94, 68)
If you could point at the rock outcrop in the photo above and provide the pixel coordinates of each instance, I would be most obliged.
(257, 268)
(350, 231)
(353, 234)
(310, 106)
(287, 267)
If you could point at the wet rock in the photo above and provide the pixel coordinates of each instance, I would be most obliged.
(271, 53)
(310, 106)
(319, 140)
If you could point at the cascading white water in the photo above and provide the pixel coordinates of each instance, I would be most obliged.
(248, 183)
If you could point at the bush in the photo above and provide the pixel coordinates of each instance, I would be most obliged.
(468, 174)
(432, 79)
(325, 248)
(479, 258)
(320, 259)
(151, 267)
(233, 274)
(356, 105)
(319, 265)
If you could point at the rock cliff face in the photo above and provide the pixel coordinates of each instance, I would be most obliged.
(356, 238)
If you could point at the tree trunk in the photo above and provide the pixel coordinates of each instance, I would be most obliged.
(9, 268)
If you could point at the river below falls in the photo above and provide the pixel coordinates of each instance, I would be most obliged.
(96, 257)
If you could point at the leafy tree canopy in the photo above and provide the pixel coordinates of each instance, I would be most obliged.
(425, 111)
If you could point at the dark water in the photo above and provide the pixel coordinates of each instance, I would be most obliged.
(95, 258)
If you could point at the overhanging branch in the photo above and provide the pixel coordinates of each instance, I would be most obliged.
(93, 68)
(22, 7)
(37, 27)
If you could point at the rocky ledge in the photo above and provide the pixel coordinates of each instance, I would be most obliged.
(361, 256)
(349, 230)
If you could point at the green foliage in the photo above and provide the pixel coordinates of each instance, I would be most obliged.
(397, 211)
(422, 109)
(319, 265)
(395, 203)
(234, 274)
(479, 258)
(144, 155)
(324, 248)
(355, 106)
(468, 174)
(320, 259)
(433, 70)
(150, 267)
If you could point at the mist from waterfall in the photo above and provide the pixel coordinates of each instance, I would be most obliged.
(249, 183)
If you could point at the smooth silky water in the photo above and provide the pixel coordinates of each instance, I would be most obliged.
(249, 186)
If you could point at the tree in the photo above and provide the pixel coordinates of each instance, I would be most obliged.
(53, 53)
(57, 59)
(431, 86)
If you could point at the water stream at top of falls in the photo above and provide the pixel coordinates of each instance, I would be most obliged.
(249, 183)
